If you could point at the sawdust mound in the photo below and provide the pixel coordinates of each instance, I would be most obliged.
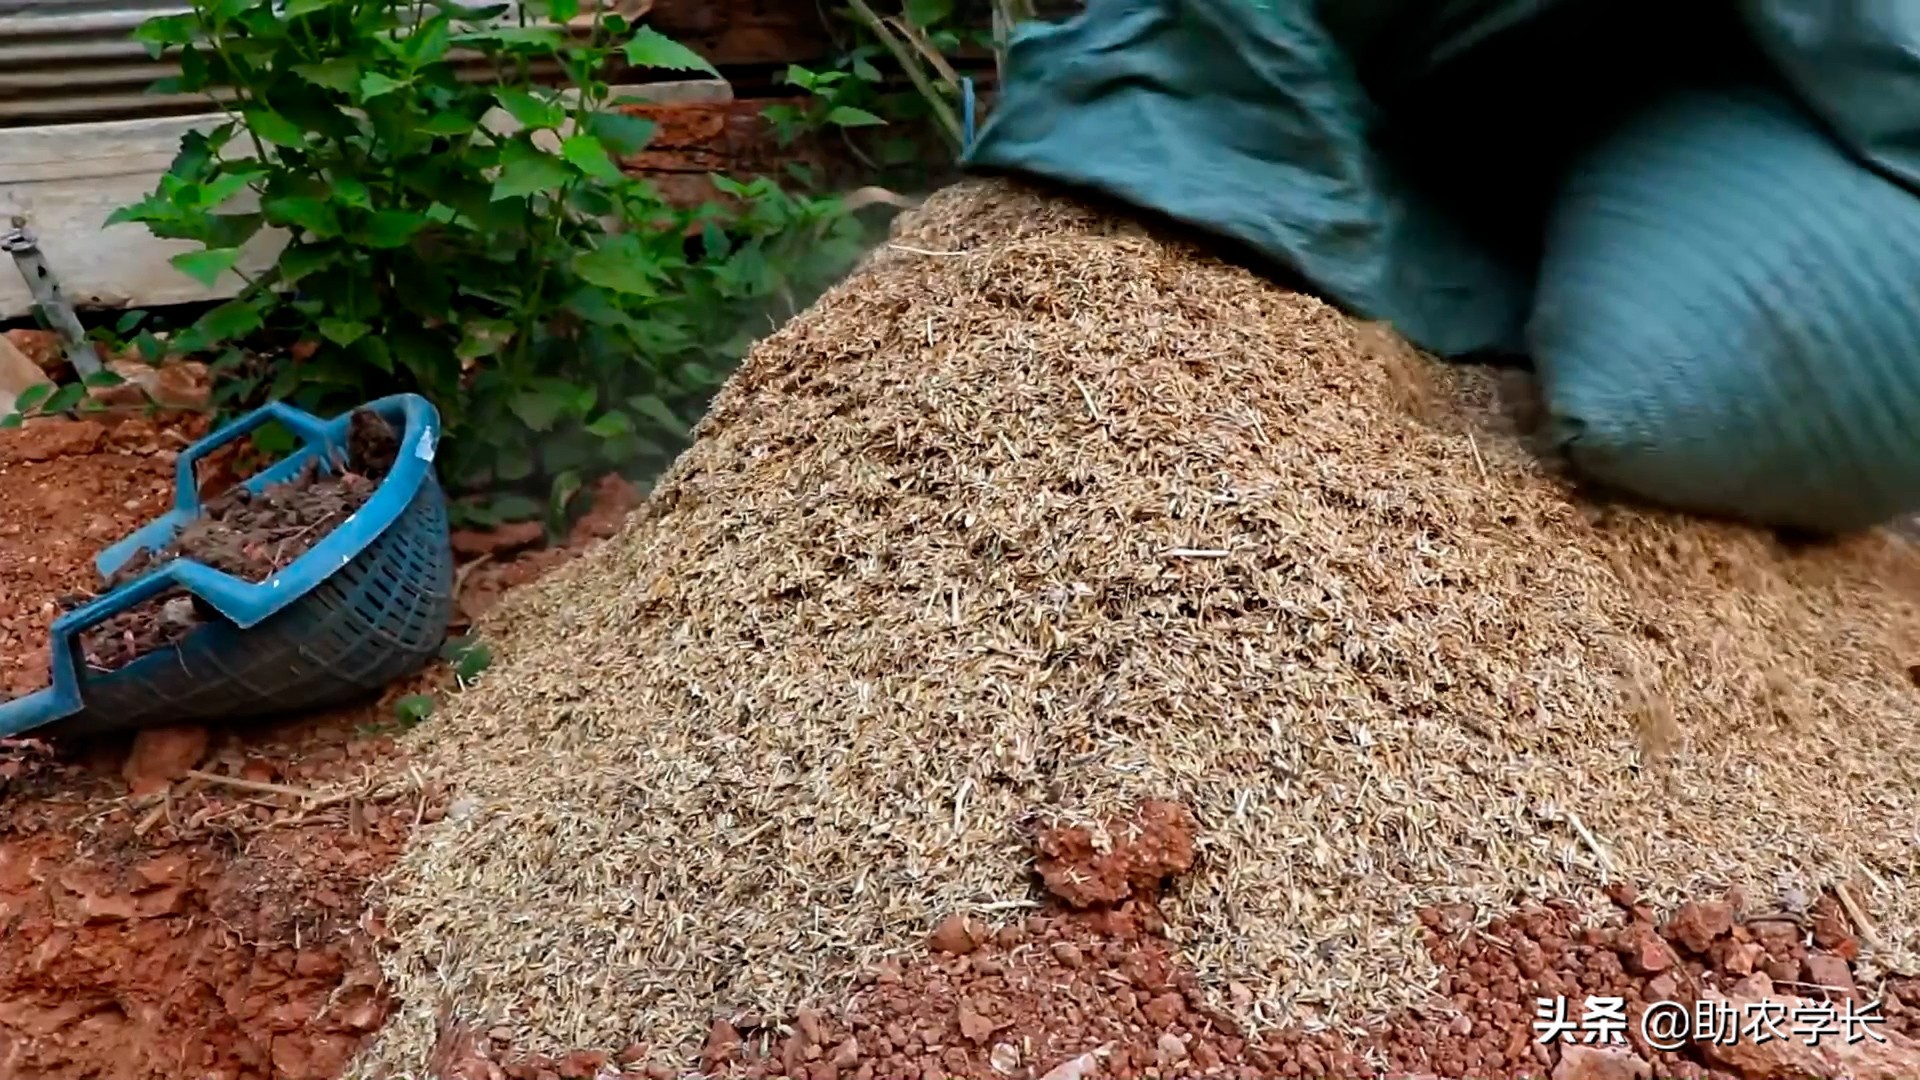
(1038, 515)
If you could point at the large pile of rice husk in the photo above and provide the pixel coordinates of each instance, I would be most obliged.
(1038, 515)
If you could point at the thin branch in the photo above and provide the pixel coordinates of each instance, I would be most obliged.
(915, 72)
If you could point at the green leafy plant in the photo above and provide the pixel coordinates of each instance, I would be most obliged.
(925, 41)
(840, 98)
(457, 228)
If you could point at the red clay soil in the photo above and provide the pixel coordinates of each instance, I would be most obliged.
(178, 906)
(205, 931)
(1099, 994)
(68, 489)
(161, 925)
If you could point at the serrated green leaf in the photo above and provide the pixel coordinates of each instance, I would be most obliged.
(611, 424)
(483, 337)
(538, 408)
(653, 408)
(563, 11)
(144, 210)
(166, 30)
(338, 73)
(527, 171)
(428, 42)
(848, 116)
(649, 48)
(297, 8)
(226, 187)
(373, 351)
(206, 267)
(128, 320)
(64, 398)
(619, 264)
(373, 85)
(103, 379)
(865, 71)
(299, 260)
(348, 191)
(447, 123)
(343, 332)
(312, 215)
(230, 320)
(33, 397)
(619, 133)
(389, 229)
(12, 420)
(585, 153)
(929, 13)
(528, 36)
(531, 110)
(274, 128)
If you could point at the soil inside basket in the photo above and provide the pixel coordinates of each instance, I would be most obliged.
(249, 535)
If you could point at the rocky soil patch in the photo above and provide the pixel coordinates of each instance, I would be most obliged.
(184, 903)
(1082, 990)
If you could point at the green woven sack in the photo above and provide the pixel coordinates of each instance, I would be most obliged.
(1727, 317)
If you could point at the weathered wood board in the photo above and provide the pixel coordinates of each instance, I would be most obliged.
(65, 180)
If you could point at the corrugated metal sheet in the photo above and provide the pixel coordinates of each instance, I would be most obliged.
(76, 60)
(63, 61)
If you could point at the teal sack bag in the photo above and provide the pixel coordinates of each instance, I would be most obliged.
(1727, 317)
(1246, 118)
(1855, 64)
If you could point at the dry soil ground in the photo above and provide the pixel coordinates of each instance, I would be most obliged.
(188, 903)
(198, 905)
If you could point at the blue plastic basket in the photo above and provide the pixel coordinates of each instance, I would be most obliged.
(368, 604)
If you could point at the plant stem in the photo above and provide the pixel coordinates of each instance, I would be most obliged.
(910, 63)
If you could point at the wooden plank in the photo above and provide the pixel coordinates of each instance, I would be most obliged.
(18, 374)
(66, 179)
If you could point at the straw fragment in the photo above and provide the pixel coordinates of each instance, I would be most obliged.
(910, 591)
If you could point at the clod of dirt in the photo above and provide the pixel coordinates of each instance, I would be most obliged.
(217, 933)
(1601, 1063)
(47, 440)
(957, 935)
(372, 444)
(1138, 856)
(1698, 925)
(251, 536)
(161, 756)
(20, 758)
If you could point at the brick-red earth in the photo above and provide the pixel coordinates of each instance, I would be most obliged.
(1090, 989)
(161, 925)
(203, 929)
